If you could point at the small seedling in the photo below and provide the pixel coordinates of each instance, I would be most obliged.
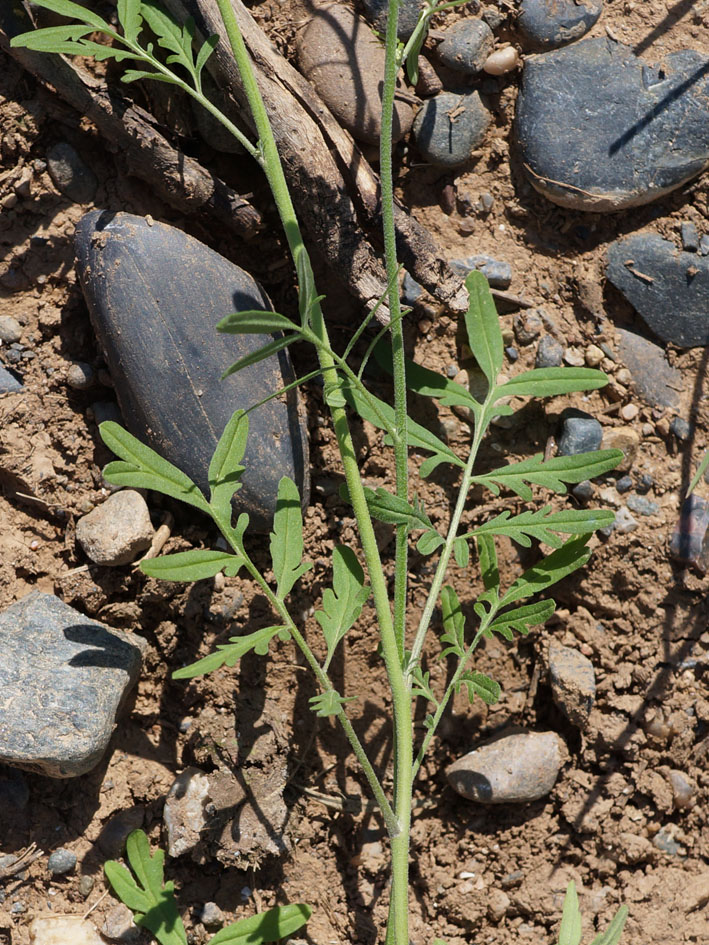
(570, 931)
(152, 901)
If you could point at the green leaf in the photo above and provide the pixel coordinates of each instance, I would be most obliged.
(570, 931)
(572, 555)
(394, 510)
(329, 702)
(195, 565)
(229, 654)
(225, 467)
(422, 685)
(701, 469)
(272, 926)
(487, 553)
(130, 18)
(74, 10)
(169, 34)
(256, 322)
(453, 623)
(412, 60)
(343, 602)
(47, 39)
(427, 383)
(548, 382)
(287, 539)
(461, 552)
(134, 75)
(273, 347)
(429, 542)
(153, 901)
(306, 285)
(543, 524)
(143, 468)
(478, 684)
(552, 474)
(483, 326)
(521, 619)
(612, 934)
(206, 50)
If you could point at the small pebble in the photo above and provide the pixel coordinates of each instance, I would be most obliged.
(70, 174)
(80, 376)
(501, 61)
(211, 916)
(624, 521)
(645, 483)
(688, 541)
(690, 237)
(466, 46)
(629, 412)
(512, 354)
(527, 326)
(86, 885)
(117, 530)
(573, 683)
(624, 484)
(512, 879)
(487, 202)
(642, 506)
(410, 289)
(448, 127)
(103, 410)
(624, 377)
(10, 329)
(583, 491)
(680, 428)
(624, 439)
(683, 789)
(9, 384)
(593, 355)
(573, 357)
(549, 353)
(498, 902)
(63, 930)
(580, 433)
(61, 861)
(118, 926)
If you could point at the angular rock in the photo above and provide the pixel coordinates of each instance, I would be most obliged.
(668, 288)
(642, 506)
(580, 432)
(62, 930)
(155, 296)
(341, 56)
(63, 678)
(119, 926)
(377, 13)
(549, 352)
(593, 124)
(573, 683)
(626, 440)
(546, 24)
(497, 272)
(184, 813)
(117, 530)
(690, 237)
(9, 384)
(10, 329)
(70, 174)
(656, 381)
(466, 46)
(624, 522)
(449, 126)
(689, 544)
(514, 768)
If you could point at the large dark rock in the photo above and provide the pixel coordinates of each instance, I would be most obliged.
(599, 129)
(546, 24)
(449, 126)
(668, 288)
(155, 296)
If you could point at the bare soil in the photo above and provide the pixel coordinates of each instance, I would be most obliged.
(611, 823)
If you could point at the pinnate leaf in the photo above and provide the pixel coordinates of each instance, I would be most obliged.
(75, 11)
(478, 684)
(573, 554)
(552, 474)
(169, 33)
(272, 926)
(343, 602)
(229, 654)
(487, 553)
(453, 623)
(422, 685)
(130, 18)
(482, 324)
(206, 50)
(521, 619)
(287, 538)
(545, 525)
(225, 468)
(329, 702)
(194, 565)
(548, 382)
(143, 468)
(427, 383)
(135, 75)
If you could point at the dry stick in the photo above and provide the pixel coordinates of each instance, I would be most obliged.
(178, 179)
(335, 191)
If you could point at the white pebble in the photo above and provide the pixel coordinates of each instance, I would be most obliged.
(501, 61)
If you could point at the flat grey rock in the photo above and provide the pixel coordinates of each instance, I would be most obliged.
(656, 381)
(155, 296)
(546, 24)
(573, 682)
(449, 126)
(514, 768)
(593, 123)
(668, 288)
(466, 46)
(62, 678)
(9, 384)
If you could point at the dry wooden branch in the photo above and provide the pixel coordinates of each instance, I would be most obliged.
(179, 180)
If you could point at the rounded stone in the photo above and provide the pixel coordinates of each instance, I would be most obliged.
(625, 439)
(211, 916)
(117, 530)
(546, 24)
(61, 861)
(118, 926)
(80, 376)
(550, 353)
(70, 174)
(683, 789)
(449, 126)
(573, 683)
(10, 329)
(514, 768)
(501, 61)
(466, 46)
(580, 433)
(377, 13)
(344, 60)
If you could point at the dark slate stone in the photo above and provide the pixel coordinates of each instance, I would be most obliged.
(377, 11)
(63, 678)
(61, 861)
(9, 384)
(580, 433)
(642, 506)
(681, 429)
(466, 46)
(155, 296)
(550, 352)
(497, 272)
(657, 382)
(446, 142)
(689, 540)
(624, 484)
(584, 491)
(546, 24)
(690, 237)
(69, 173)
(593, 124)
(668, 288)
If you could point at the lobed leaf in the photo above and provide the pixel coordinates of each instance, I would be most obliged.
(429, 542)
(134, 75)
(229, 654)
(482, 324)
(225, 467)
(548, 382)
(573, 554)
(206, 50)
(74, 10)
(143, 468)
(194, 565)
(130, 18)
(329, 702)
(422, 685)
(271, 926)
(487, 553)
(427, 383)
(256, 322)
(521, 619)
(343, 602)
(552, 474)
(169, 33)
(478, 684)
(287, 538)
(543, 524)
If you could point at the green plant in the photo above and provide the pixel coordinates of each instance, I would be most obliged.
(497, 609)
(152, 902)
(570, 931)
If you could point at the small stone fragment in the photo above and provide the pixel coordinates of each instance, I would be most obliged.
(580, 433)
(86, 885)
(428, 82)
(9, 384)
(211, 916)
(689, 539)
(112, 839)
(514, 768)
(583, 491)
(627, 441)
(684, 791)
(593, 356)
(624, 522)
(117, 530)
(61, 861)
(466, 46)
(498, 902)
(573, 683)
(80, 376)
(63, 678)
(70, 175)
(547, 24)
(10, 329)
(654, 379)
(119, 926)
(344, 60)
(704, 245)
(449, 126)
(527, 326)
(410, 290)
(681, 429)
(184, 812)
(642, 506)
(690, 237)
(629, 412)
(501, 61)
(573, 357)
(63, 930)
(497, 272)
(624, 484)
(550, 353)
